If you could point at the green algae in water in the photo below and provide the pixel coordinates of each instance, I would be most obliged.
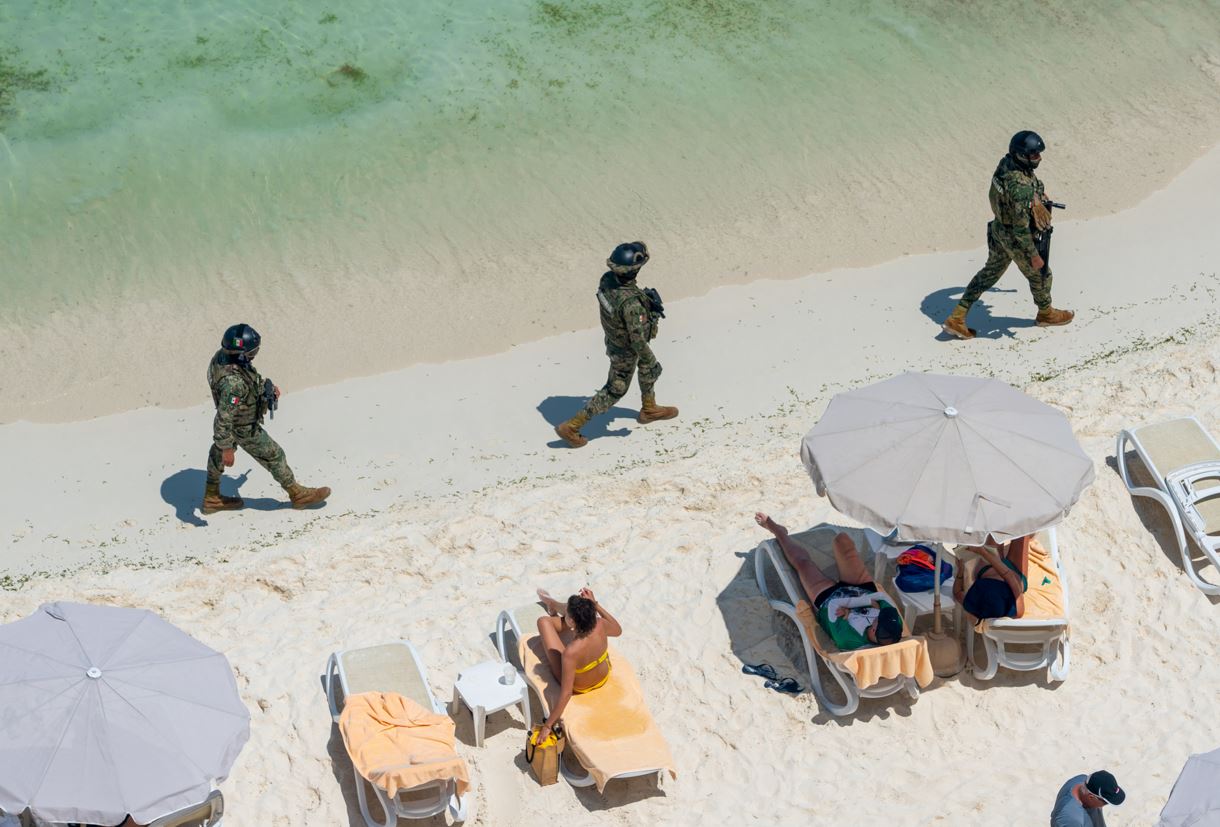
(347, 72)
(15, 78)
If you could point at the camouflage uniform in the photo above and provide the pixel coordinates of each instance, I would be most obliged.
(1009, 237)
(629, 325)
(237, 392)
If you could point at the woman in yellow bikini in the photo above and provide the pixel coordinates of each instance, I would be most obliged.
(575, 637)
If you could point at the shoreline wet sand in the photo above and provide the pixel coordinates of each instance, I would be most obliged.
(437, 211)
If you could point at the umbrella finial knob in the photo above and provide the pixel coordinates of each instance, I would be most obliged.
(951, 412)
(93, 672)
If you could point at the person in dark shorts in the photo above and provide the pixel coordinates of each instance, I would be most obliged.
(851, 610)
(1000, 584)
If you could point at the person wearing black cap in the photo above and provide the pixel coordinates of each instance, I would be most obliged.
(1080, 800)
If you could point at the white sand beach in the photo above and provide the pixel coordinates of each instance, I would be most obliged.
(453, 501)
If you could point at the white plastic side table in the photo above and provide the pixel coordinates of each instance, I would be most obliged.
(483, 690)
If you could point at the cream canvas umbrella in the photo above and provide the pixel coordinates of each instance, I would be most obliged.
(107, 711)
(949, 459)
(1195, 798)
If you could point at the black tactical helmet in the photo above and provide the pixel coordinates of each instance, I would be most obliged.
(242, 340)
(1024, 144)
(627, 259)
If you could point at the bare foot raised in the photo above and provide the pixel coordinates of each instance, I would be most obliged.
(770, 525)
(553, 607)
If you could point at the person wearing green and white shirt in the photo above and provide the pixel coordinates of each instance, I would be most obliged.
(851, 610)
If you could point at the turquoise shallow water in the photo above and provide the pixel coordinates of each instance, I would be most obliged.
(315, 154)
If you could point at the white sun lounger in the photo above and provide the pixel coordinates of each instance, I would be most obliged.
(391, 667)
(1184, 462)
(205, 814)
(781, 586)
(1044, 641)
(526, 617)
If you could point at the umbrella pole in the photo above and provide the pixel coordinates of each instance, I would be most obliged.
(944, 651)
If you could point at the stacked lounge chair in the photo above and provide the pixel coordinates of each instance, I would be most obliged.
(1183, 460)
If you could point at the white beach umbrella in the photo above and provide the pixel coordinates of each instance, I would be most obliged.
(950, 459)
(946, 458)
(107, 711)
(1195, 798)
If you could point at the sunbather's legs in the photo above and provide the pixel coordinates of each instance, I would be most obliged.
(847, 558)
(550, 629)
(812, 578)
(553, 606)
(1018, 554)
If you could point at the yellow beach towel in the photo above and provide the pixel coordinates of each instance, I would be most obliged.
(396, 744)
(610, 729)
(1044, 597)
(868, 665)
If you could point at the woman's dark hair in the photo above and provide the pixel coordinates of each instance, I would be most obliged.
(583, 614)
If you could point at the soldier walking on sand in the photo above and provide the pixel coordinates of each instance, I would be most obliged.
(1022, 217)
(630, 318)
(237, 392)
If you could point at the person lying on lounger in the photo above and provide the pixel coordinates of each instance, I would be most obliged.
(999, 586)
(575, 637)
(851, 610)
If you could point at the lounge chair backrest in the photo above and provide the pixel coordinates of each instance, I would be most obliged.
(205, 814)
(1180, 456)
(385, 668)
(1176, 444)
(819, 542)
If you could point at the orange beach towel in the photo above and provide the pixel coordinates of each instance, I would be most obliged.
(396, 744)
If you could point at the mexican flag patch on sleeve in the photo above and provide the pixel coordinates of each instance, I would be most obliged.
(234, 400)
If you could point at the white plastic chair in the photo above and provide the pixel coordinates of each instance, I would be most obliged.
(1180, 455)
(392, 667)
(999, 635)
(771, 566)
(207, 813)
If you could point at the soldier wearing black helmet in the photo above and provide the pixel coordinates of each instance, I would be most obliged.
(629, 319)
(1022, 211)
(237, 392)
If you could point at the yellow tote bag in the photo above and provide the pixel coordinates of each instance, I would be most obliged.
(544, 758)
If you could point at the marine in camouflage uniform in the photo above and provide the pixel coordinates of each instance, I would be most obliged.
(1020, 206)
(237, 393)
(629, 323)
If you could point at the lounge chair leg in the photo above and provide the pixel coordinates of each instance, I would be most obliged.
(387, 807)
(572, 778)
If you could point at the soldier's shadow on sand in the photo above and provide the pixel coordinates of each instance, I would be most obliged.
(184, 491)
(937, 307)
(558, 409)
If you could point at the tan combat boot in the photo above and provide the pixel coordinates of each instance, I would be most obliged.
(214, 501)
(302, 496)
(650, 411)
(569, 431)
(955, 325)
(1050, 317)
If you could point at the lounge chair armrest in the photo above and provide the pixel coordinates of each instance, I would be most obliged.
(328, 680)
